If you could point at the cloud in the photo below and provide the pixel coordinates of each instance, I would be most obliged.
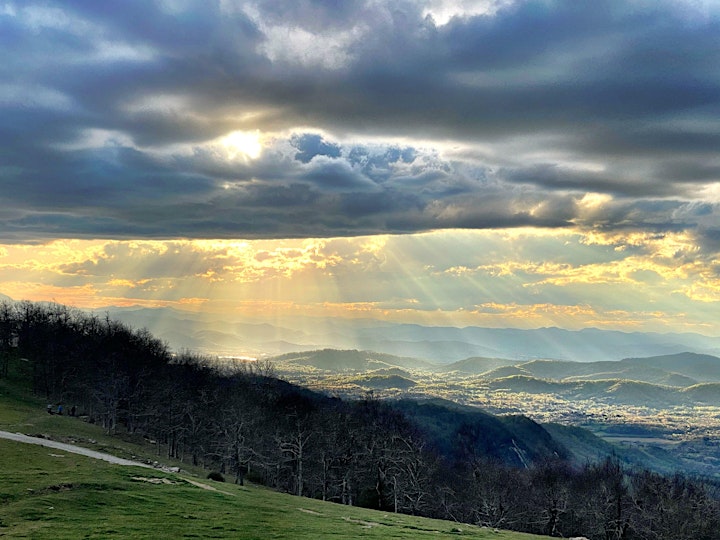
(310, 145)
(520, 277)
(411, 116)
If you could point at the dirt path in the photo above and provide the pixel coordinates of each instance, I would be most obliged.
(72, 449)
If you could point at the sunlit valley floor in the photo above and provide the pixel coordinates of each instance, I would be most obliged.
(666, 418)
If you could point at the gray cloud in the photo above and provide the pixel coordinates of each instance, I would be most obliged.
(310, 145)
(554, 177)
(631, 88)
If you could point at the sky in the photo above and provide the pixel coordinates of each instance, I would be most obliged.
(502, 163)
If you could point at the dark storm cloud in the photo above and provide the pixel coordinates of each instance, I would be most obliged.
(112, 179)
(94, 94)
(554, 177)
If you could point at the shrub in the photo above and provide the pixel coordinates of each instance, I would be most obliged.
(214, 475)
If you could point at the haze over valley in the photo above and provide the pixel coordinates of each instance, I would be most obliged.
(262, 337)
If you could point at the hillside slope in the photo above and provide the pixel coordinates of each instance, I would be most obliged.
(50, 493)
(60, 495)
(463, 431)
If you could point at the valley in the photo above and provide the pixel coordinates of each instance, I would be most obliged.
(661, 412)
(654, 396)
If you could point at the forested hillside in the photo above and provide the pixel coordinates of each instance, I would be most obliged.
(419, 459)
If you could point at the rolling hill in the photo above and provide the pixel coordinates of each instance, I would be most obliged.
(617, 391)
(338, 361)
(506, 371)
(475, 365)
(679, 370)
(701, 367)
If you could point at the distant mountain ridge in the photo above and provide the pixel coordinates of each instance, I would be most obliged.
(677, 370)
(251, 336)
(215, 334)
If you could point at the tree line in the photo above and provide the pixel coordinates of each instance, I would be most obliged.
(242, 421)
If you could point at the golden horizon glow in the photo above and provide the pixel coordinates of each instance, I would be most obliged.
(501, 278)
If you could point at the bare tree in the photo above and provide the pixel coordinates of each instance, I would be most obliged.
(606, 501)
(412, 470)
(550, 482)
(294, 446)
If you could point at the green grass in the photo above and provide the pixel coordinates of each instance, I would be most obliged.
(24, 413)
(48, 493)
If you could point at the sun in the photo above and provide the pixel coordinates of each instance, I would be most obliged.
(244, 144)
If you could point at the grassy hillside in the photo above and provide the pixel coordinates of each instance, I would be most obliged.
(51, 494)
(46, 493)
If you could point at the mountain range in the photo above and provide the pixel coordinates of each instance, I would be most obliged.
(680, 370)
(216, 334)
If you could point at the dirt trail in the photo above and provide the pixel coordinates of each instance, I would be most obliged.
(71, 448)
